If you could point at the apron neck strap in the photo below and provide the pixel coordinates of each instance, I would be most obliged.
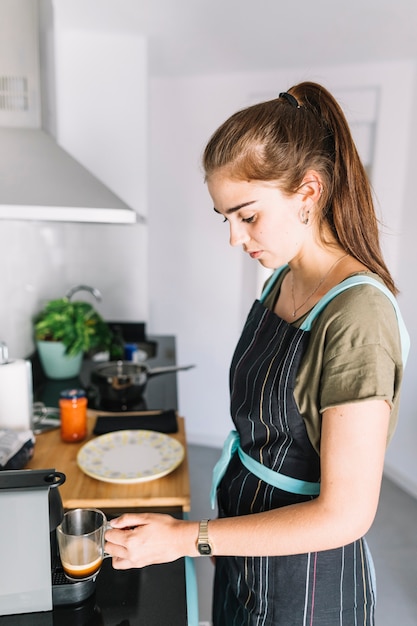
(272, 280)
(352, 281)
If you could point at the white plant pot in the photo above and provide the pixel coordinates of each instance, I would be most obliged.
(55, 363)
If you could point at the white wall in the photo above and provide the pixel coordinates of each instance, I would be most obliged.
(200, 288)
(401, 461)
(196, 280)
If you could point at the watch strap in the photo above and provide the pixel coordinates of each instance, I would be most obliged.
(203, 543)
(203, 531)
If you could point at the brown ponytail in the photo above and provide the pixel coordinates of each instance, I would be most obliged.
(284, 138)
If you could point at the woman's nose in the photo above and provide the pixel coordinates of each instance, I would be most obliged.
(238, 235)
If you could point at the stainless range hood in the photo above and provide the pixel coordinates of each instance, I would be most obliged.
(38, 179)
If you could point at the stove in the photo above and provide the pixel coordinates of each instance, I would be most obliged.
(160, 392)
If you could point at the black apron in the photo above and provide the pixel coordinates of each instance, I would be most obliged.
(326, 588)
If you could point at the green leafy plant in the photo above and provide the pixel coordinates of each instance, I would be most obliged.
(77, 324)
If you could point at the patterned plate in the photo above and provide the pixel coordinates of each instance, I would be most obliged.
(130, 456)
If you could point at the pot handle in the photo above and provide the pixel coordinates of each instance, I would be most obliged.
(167, 369)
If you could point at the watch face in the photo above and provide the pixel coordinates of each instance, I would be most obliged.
(204, 549)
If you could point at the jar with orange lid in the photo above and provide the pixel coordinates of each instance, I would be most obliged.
(73, 413)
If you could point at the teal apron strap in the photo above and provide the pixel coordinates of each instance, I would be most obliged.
(276, 479)
(352, 282)
(191, 589)
(271, 282)
(230, 446)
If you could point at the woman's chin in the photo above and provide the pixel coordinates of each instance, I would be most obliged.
(267, 265)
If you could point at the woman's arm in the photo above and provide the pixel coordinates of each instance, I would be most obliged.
(353, 443)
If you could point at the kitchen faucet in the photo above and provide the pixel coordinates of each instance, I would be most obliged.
(93, 290)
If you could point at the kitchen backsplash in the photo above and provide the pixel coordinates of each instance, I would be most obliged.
(40, 261)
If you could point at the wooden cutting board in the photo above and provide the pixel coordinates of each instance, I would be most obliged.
(81, 491)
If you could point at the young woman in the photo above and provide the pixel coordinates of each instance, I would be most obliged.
(315, 378)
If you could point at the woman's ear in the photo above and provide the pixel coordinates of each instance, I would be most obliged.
(311, 188)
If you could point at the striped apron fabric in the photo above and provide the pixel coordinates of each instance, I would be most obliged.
(326, 588)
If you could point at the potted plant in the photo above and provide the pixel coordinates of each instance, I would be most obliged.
(64, 331)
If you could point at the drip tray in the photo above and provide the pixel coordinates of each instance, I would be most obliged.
(65, 592)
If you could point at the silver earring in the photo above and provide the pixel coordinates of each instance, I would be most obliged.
(305, 217)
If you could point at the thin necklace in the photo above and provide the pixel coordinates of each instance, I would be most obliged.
(321, 281)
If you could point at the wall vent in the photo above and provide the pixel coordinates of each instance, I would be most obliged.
(20, 93)
(14, 93)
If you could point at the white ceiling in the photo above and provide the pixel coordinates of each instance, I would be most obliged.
(212, 36)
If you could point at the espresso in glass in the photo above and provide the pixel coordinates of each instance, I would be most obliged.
(81, 543)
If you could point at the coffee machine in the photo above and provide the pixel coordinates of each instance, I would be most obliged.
(32, 578)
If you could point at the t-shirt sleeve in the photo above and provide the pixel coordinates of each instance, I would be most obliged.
(362, 349)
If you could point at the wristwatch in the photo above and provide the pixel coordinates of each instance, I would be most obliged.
(203, 543)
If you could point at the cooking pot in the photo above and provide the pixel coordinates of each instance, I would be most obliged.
(121, 384)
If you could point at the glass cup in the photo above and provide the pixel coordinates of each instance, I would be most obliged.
(81, 543)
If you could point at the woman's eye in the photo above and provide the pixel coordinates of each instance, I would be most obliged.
(247, 220)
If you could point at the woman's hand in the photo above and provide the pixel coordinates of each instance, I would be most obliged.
(137, 540)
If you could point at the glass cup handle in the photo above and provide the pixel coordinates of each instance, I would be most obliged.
(107, 526)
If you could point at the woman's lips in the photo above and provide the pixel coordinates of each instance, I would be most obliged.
(255, 254)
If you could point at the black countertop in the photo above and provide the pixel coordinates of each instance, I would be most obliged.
(160, 391)
(152, 596)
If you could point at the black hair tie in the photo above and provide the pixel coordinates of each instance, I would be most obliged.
(290, 98)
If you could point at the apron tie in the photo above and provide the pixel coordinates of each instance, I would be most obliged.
(276, 479)
(230, 446)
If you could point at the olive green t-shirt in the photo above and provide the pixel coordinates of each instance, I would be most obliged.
(354, 354)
